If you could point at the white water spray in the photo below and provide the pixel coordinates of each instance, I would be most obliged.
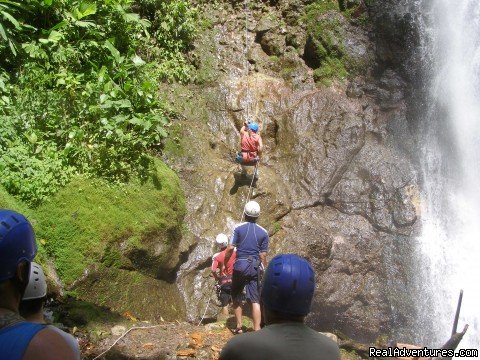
(450, 240)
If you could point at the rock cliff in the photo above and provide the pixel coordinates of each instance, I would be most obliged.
(328, 84)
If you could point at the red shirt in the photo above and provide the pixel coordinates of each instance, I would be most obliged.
(219, 258)
(250, 142)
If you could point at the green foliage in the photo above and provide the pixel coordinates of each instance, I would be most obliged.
(32, 178)
(175, 25)
(84, 96)
(11, 25)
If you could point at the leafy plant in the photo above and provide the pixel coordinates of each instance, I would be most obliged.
(10, 24)
(84, 100)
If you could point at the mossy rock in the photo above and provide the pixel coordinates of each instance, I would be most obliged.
(85, 222)
(325, 49)
(334, 48)
(111, 243)
(349, 4)
(205, 57)
(73, 312)
(131, 292)
(326, 35)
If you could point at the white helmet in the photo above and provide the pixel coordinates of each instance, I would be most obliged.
(221, 240)
(37, 286)
(252, 209)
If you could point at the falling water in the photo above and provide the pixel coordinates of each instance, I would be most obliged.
(449, 245)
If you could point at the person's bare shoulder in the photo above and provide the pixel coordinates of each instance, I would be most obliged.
(49, 345)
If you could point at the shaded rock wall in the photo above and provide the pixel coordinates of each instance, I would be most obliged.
(336, 180)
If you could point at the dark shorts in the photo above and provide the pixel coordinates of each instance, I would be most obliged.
(225, 295)
(250, 283)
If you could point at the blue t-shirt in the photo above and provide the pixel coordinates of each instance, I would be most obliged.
(250, 239)
(15, 339)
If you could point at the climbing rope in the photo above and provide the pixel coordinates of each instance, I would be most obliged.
(246, 10)
(250, 189)
(121, 337)
(206, 308)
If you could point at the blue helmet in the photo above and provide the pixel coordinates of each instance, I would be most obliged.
(288, 285)
(17, 242)
(253, 126)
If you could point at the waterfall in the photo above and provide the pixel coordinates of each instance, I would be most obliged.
(449, 244)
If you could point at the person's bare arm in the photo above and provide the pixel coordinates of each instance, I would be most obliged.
(228, 253)
(263, 259)
(260, 145)
(216, 268)
(49, 345)
(244, 129)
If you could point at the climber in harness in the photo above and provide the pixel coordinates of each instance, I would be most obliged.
(251, 241)
(251, 144)
(222, 272)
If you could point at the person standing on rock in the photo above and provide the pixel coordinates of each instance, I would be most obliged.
(222, 272)
(251, 144)
(287, 294)
(20, 339)
(251, 241)
(31, 307)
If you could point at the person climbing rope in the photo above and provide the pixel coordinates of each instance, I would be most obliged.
(287, 294)
(251, 145)
(20, 339)
(251, 241)
(222, 272)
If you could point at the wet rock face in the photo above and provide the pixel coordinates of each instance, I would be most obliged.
(378, 187)
(335, 185)
(347, 255)
(319, 136)
(396, 34)
(329, 190)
